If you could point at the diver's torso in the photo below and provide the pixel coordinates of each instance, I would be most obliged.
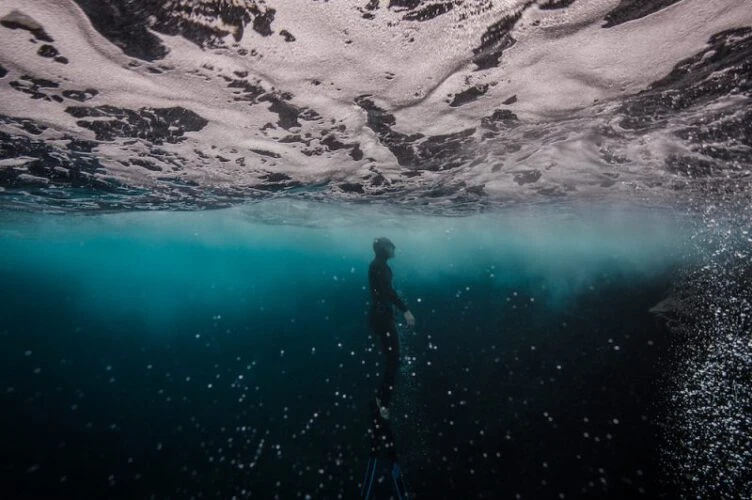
(382, 310)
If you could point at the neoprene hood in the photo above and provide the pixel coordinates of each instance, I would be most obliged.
(381, 247)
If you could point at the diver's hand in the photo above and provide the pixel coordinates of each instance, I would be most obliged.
(410, 319)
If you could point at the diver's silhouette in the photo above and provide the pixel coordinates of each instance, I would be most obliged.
(381, 321)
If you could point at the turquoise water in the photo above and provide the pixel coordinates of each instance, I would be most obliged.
(166, 353)
(158, 266)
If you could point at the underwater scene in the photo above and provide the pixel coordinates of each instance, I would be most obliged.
(376, 249)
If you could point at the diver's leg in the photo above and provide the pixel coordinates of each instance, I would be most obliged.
(381, 435)
(390, 349)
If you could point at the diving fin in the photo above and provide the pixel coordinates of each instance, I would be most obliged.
(399, 482)
(367, 490)
(372, 469)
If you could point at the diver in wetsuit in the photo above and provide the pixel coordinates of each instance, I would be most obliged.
(381, 321)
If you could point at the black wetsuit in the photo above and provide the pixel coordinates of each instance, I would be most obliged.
(381, 320)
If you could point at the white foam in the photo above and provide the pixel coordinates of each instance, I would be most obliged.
(557, 69)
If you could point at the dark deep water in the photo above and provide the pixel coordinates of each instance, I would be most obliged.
(202, 355)
(599, 156)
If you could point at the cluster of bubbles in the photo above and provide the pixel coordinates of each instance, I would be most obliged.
(709, 410)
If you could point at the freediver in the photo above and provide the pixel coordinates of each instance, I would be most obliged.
(381, 321)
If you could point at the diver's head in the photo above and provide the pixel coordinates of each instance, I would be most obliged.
(383, 247)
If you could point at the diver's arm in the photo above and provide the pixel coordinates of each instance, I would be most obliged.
(385, 278)
(382, 277)
(396, 300)
(409, 318)
(383, 285)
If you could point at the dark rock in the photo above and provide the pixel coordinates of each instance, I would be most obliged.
(496, 40)
(250, 92)
(429, 12)
(61, 60)
(378, 180)
(42, 82)
(378, 120)
(33, 86)
(690, 166)
(442, 191)
(555, 4)
(61, 167)
(717, 128)
(82, 145)
(407, 4)
(730, 52)
(101, 111)
(478, 161)
(308, 114)
(553, 191)
(3, 71)
(720, 70)
(434, 153)
(80, 95)
(275, 177)
(263, 21)
(610, 157)
(313, 151)
(534, 134)
(629, 10)
(32, 127)
(356, 153)
(469, 95)
(156, 125)
(501, 118)
(440, 148)
(182, 118)
(292, 138)
(287, 36)
(288, 114)
(511, 100)
(127, 23)
(278, 186)
(181, 182)
(146, 164)
(47, 51)
(263, 152)
(527, 177)
(332, 143)
(351, 187)
(276, 181)
(18, 20)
